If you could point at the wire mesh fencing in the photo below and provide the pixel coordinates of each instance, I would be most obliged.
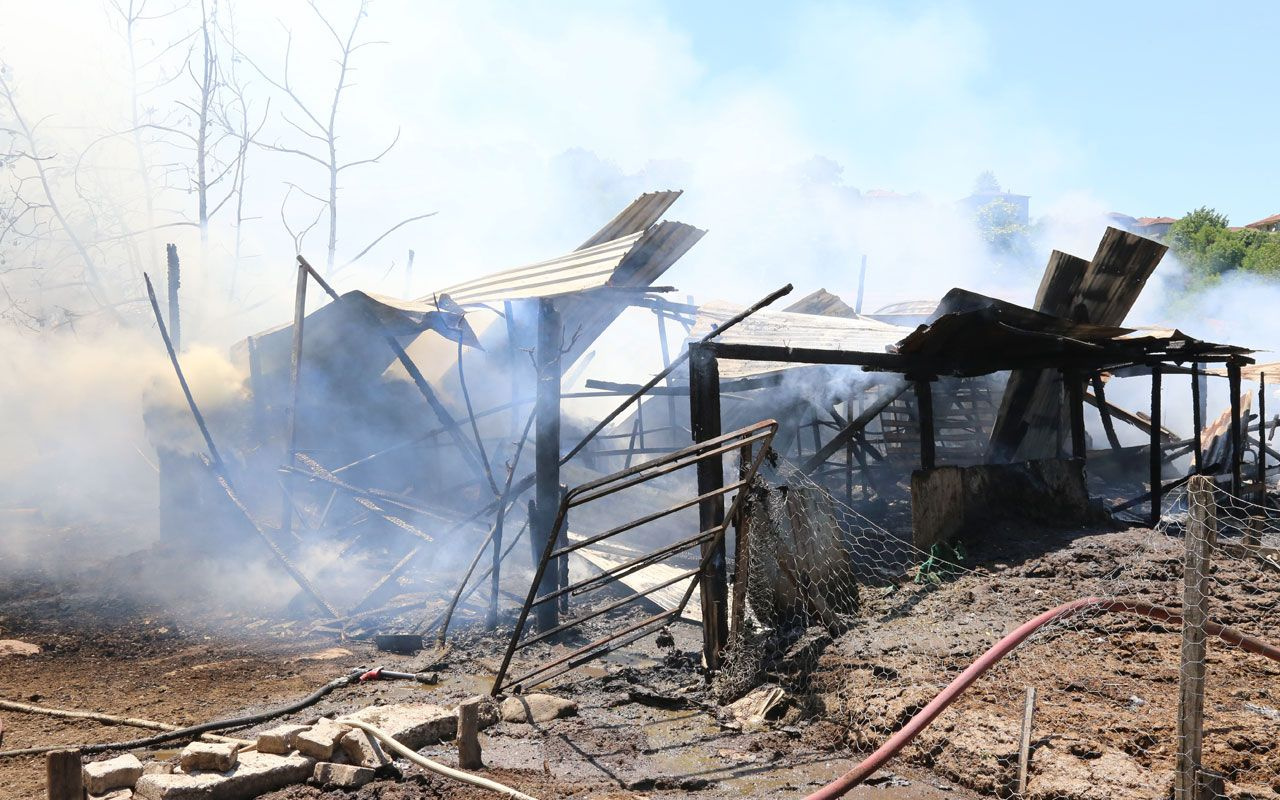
(853, 631)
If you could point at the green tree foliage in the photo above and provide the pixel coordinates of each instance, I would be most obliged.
(1203, 241)
(1000, 225)
(986, 183)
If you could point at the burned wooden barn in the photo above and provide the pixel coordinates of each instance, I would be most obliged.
(424, 439)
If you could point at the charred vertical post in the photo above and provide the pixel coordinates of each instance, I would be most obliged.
(174, 281)
(741, 550)
(1104, 411)
(547, 450)
(1156, 462)
(291, 412)
(924, 405)
(469, 734)
(1074, 383)
(1262, 439)
(704, 415)
(1197, 419)
(1237, 438)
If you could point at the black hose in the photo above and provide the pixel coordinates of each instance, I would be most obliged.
(196, 730)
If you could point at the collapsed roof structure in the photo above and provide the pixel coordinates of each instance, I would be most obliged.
(337, 446)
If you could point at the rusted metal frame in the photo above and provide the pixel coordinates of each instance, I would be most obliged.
(538, 598)
(182, 378)
(677, 362)
(592, 649)
(291, 411)
(1155, 452)
(646, 519)
(1262, 439)
(624, 569)
(564, 626)
(1104, 411)
(1237, 438)
(1197, 417)
(672, 462)
(446, 419)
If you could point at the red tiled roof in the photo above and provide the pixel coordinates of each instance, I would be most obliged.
(1155, 221)
(1262, 223)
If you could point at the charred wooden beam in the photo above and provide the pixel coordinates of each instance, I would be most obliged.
(1262, 439)
(704, 416)
(1237, 438)
(851, 431)
(1104, 411)
(924, 405)
(1074, 384)
(1156, 464)
(547, 448)
(1197, 417)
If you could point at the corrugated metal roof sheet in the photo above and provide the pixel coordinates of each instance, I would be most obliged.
(908, 308)
(823, 303)
(578, 271)
(644, 211)
(792, 330)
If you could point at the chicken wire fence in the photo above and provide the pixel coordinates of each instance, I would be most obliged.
(854, 629)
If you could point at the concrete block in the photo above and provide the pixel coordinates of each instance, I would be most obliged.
(363, 750)
(254, 774)
(121, 772)
(279, 740)
(210, 756)
(413, 725)
(341, 776)
(536, 708)
(319, 740)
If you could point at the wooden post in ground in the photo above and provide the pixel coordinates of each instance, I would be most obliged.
(547, 451)
(469, 734)
(1262, 439)
(63, 777)
(1237, 438)
(1024, 746)
(1074, 384)
(1157, 462)
(291, 411)
(1201, 527)
(741, 550)
(704, 415)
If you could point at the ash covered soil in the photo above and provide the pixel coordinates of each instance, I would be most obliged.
(648, 726)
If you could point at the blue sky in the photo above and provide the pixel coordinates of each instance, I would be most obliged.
(1152, 108)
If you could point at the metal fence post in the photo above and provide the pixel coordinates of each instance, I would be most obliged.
(1201, 527)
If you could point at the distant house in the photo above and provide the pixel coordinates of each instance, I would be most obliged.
(1269, 224)
(1150, 227)
(980, 200)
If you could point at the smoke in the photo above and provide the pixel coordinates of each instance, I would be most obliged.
(525, 129)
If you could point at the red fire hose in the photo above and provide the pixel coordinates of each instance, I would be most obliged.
(964, 680)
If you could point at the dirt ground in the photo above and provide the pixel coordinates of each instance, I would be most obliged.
(648, 727)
